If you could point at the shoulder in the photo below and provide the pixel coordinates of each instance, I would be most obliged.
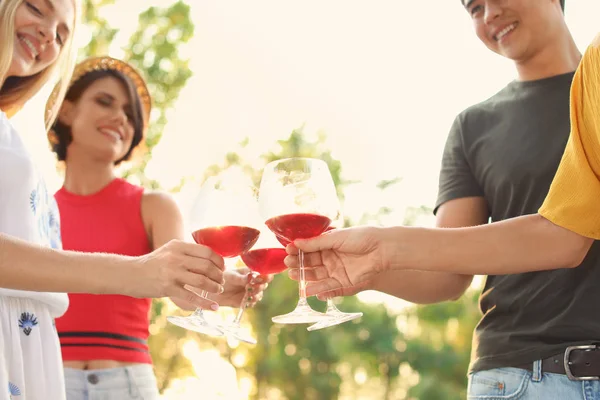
(158, 201)
(8, 133)
(491, 104)
(162, 218)
(596, 41)
(471, 120)
(158, 204)
(591, 57)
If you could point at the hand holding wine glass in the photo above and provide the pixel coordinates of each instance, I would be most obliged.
(340, 259)
(242, 284)
(297, 199)
(175, 266)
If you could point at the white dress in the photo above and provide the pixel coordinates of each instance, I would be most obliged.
(30, 359)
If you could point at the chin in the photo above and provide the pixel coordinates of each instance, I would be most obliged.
(18, 69)
(107, 156)
(509, 52)
(515, 56)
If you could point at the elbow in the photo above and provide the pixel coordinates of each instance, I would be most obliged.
(457, 294)
(572, 250)
(566, 248)
(576, 252)
(442, 294)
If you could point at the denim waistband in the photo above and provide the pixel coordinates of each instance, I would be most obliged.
(129, 377)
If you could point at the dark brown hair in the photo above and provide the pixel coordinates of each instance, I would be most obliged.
(562, 4)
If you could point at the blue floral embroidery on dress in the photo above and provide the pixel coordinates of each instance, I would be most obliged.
(45, 210)
(33, 200)
(54, 225)
(27, 322)
(13, 390)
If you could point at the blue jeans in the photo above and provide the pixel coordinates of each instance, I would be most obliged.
(135, 382)
(519, 384)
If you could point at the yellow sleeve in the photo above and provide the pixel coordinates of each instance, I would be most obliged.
(574, 198)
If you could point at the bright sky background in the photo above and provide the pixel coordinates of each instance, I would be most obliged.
(383, 78)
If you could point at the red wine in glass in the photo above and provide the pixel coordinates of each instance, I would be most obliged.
(285, 242)
(227, 241)
(298, 226)
(265, 261)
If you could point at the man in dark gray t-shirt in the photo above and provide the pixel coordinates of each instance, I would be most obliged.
(498, 163)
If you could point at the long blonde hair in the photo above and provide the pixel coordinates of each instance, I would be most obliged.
(16, 91)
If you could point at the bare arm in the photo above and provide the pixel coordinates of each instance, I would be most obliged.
(24, 266)
(518, 245)
(348, 258)
(425, 287)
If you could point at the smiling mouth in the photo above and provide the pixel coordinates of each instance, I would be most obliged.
(498, 37)
(30, 46)
(112, 133)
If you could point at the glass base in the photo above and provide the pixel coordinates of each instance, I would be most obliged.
(196, 324)
(237, 332)
(303, 314)
(335, 319)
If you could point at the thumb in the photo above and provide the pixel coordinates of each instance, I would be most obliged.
(325, 241)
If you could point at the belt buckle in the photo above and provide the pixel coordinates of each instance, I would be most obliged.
(568, 363)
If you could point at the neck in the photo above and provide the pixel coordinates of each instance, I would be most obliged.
(85, 176)
(559, 57)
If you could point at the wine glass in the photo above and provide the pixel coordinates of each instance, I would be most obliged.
(297, 199)
(336, 316)
(265, 258)
(221, 222)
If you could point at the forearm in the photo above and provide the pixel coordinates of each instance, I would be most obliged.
(518, 245)
(422, 287)
(25, 266)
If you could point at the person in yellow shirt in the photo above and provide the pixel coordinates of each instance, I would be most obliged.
(573, 200)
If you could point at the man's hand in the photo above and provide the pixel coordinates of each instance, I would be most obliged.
(342, 260)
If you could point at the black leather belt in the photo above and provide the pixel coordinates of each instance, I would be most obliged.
(579, 363)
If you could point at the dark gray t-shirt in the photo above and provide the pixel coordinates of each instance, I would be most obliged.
(507, 150)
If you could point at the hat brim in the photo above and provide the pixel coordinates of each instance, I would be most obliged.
(106, 63)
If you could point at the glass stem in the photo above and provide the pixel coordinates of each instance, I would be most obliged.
(244, 302)
(302, 281)
(199, 313)
(331, 308)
